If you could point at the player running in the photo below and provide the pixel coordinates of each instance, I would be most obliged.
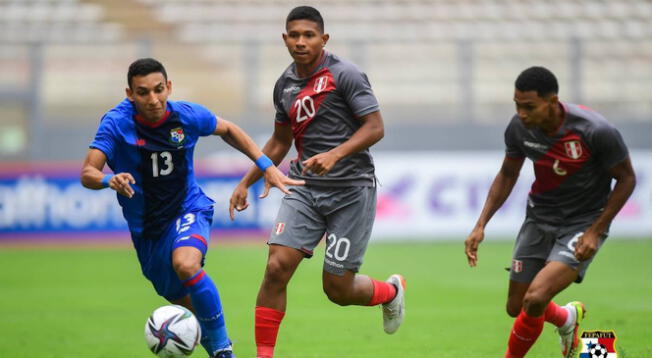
(576, 154)
(326, 106)
(148, 141)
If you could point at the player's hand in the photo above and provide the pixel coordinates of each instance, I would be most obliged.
(121, 183)
(471, 245)
(587, 245)
(238, 200)
(274, 177)
(320, 164)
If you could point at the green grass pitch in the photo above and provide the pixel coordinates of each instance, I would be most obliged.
(93, 303)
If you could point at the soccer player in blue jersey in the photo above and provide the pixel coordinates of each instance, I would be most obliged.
(148, 141)
(325, 105)
(576, 155)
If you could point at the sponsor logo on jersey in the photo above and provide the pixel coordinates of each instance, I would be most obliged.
(291, 89)
(320, 84)
(573, 149)
(278, 229)
(535, 146)
(177, 136)
(517, 266)
(598, 344)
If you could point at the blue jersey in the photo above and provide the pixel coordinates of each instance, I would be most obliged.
(160, 158)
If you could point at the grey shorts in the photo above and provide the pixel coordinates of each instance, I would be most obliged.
(537, 244)
(343, 215)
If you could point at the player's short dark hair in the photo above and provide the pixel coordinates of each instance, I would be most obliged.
(306, 13)
(538, 79)
(143, 67)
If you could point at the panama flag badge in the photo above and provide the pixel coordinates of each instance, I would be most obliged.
(598, 344)
(177, 136)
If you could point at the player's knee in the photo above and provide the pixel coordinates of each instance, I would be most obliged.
(535, 301)
(185, 269)
(277, 272)
(513, 308)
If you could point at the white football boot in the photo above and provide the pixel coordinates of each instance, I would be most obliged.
(568, 336)
(394, 310)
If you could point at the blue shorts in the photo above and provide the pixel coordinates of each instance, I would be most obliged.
(192, 228)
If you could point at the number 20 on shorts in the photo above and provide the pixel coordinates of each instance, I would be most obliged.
(337, 248)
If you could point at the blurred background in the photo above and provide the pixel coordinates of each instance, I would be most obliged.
(443, 72)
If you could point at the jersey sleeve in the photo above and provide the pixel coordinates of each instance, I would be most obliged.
(356, 90)
(205, 120)
(281, 116)
(608, 146)
(512, 149)
(105, 138)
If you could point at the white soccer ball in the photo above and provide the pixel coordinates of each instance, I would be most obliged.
(598, 351)
(172, 331)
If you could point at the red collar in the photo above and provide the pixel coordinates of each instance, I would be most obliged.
(142, 121)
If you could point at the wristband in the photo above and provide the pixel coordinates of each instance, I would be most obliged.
(263, 162)
(105, 180)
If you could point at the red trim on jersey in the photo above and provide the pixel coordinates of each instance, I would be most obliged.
(193, 281)
(581, 106)
(146, 123)
(565, 158)
(200, 238)
(306, 104)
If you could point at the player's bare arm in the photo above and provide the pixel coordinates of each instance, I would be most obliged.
(92, 175)
(500, 189)
(276, 149)
(371, 131)
(625, 178)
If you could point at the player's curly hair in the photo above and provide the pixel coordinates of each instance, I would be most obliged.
(143, 67)
(538, 79)
(306, 13)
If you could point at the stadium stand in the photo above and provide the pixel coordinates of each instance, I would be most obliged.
(431, 63)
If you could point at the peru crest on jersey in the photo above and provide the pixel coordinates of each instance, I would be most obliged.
(573, 149)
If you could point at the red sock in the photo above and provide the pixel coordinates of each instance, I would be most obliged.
(383, 292)
(555, 314)
(525, 332)
(267, 322)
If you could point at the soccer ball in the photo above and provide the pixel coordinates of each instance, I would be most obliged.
(598, 351)
(172, 331)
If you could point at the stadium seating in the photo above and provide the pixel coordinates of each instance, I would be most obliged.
(431, 61)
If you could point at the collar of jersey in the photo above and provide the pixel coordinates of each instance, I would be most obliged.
(563, 108)
(142, 121)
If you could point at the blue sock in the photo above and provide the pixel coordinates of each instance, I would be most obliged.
(208, 308)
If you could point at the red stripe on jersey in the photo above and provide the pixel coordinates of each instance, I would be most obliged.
(307, 102)
(200, 238)
(563, 159)
(193, 281)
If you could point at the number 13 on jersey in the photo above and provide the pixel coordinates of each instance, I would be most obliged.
(166, 167)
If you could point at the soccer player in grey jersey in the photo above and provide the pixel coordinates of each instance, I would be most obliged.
(326, 106)
(576, 154)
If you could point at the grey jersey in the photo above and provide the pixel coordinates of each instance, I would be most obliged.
(571, 179)
(324, 111)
